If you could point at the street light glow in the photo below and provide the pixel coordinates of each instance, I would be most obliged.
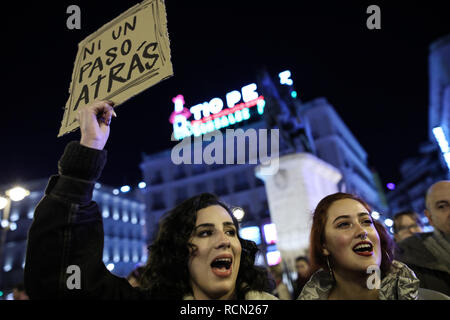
(388, 222)
(238, 213)
(17, 193)
(3, 202)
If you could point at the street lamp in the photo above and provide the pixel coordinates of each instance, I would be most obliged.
(238, 213)
(14, 194)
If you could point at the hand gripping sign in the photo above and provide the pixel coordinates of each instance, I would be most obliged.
(121, 59)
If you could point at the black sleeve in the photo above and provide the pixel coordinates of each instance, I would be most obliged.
(65, 241)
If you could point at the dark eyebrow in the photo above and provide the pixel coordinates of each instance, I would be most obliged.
(359, 215)
(227, 223)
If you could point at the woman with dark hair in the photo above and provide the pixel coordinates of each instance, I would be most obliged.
(211, 260)
(197, 254)
(352, 255)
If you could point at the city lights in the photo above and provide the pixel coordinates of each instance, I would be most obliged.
(443, 144)
(3, 202)
(390, 186)
(285, 78)
(375, 215)
(238, 213)
(17, 193)
(125, 189)
(388, 222)
(142, 185)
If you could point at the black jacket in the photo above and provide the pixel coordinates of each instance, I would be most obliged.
(413, 252)
(67, 230)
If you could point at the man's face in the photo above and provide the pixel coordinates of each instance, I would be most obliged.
(405, 227)
(302, 268)
(438, 206)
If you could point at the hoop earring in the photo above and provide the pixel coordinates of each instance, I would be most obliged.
(387, 254)
(329, 268)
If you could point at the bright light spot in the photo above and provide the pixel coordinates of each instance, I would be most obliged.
(142, 185)
(133, 220)
(13, 226)
(285, 78)
(125, 189)
(440, 138)
(3, 202)
(270, 233)
(390, 186)
(14, 216)
(251, 233)
(17, 193)
(30, 214)
(110, 267)
(391, 230)
(375, 215)
(388, 222)
(4, 223)
(125, 218)
(115, 192)
(105, 212)
(294, 94)
(7, 267)
(273, 257)
(238, 213)
(97, 185)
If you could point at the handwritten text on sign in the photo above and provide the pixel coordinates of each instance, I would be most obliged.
(120, 60)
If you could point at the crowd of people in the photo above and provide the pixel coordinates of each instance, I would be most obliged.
(198, 252)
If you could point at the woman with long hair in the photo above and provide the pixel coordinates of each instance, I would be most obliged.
(352, 255)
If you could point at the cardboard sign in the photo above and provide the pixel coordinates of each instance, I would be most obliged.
(121, 59)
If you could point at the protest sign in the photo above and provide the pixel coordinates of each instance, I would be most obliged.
(121, 59)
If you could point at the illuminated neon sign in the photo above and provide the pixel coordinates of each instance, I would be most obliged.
(213, 115)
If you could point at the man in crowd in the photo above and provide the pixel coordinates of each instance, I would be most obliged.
(428, 254)
(406, 224)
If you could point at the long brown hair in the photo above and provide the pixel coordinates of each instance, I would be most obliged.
(317, 237)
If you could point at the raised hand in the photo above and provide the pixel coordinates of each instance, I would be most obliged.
(94, 123)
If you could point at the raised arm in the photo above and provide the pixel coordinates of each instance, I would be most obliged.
(65, 241)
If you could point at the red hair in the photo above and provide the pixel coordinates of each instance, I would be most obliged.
(317, 237)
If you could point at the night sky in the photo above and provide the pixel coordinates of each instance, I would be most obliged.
(377, 80)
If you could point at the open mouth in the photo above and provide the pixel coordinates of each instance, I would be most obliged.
(363, 248)
(222, 266)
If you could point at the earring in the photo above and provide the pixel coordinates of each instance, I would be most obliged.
(329, 268)
(387, 254)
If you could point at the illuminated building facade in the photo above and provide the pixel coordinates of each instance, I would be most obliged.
(433, 163)
(123, 225)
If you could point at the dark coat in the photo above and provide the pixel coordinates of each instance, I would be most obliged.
(425, 265)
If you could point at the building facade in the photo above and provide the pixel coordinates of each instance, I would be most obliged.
(123, 222)
(433, 161)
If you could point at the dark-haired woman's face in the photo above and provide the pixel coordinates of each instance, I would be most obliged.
(214, 264)
(350, 237)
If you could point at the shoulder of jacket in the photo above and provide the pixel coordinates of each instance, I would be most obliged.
(259, 295)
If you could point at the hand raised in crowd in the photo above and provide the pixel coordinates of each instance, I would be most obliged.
(94, 123)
